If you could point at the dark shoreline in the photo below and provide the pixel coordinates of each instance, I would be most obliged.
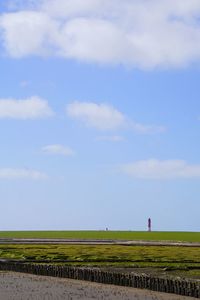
(17, 286)
(184, 287)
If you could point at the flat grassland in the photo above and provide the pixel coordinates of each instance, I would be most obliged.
(110, 235)
(172, 260)
(145, 255)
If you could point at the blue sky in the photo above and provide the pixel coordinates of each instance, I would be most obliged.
(99, 114)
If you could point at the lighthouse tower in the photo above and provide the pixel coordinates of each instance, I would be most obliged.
(149, 224)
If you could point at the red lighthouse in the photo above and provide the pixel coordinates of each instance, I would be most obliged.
(149, 224)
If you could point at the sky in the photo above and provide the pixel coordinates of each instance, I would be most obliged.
(99, 114)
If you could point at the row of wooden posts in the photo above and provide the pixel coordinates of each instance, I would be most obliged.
(176, 286)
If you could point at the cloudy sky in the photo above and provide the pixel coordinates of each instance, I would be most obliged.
(100, 114)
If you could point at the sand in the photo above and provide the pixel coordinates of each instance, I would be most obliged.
(18, 286)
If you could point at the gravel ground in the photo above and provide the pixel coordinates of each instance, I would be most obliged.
(17, 286)
(21, 241)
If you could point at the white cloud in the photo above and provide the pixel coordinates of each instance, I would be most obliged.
(74, 8)
(99, 116)
(144, 34)
(106, 117)
(146, 129)
(161, 169)
(58, 149)
(13, 5)
(27, 32)
(9, 173)
(110, 138)
(31, 108)
(24, 83)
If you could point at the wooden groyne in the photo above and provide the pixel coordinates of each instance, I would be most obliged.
(176, 286)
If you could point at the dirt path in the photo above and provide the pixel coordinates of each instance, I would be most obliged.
(17, 286)
(97, 242)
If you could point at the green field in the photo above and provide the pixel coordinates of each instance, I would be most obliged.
(169, 258)
(93, 253)
(181, 261)
(112, 235)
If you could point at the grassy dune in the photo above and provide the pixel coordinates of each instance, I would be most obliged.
(117, 235)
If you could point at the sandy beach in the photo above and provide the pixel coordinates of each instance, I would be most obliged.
(18, 286)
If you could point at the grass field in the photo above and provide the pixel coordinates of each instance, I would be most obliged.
(182, 261)
(172, 258)
(115, 235)
(103, 253)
